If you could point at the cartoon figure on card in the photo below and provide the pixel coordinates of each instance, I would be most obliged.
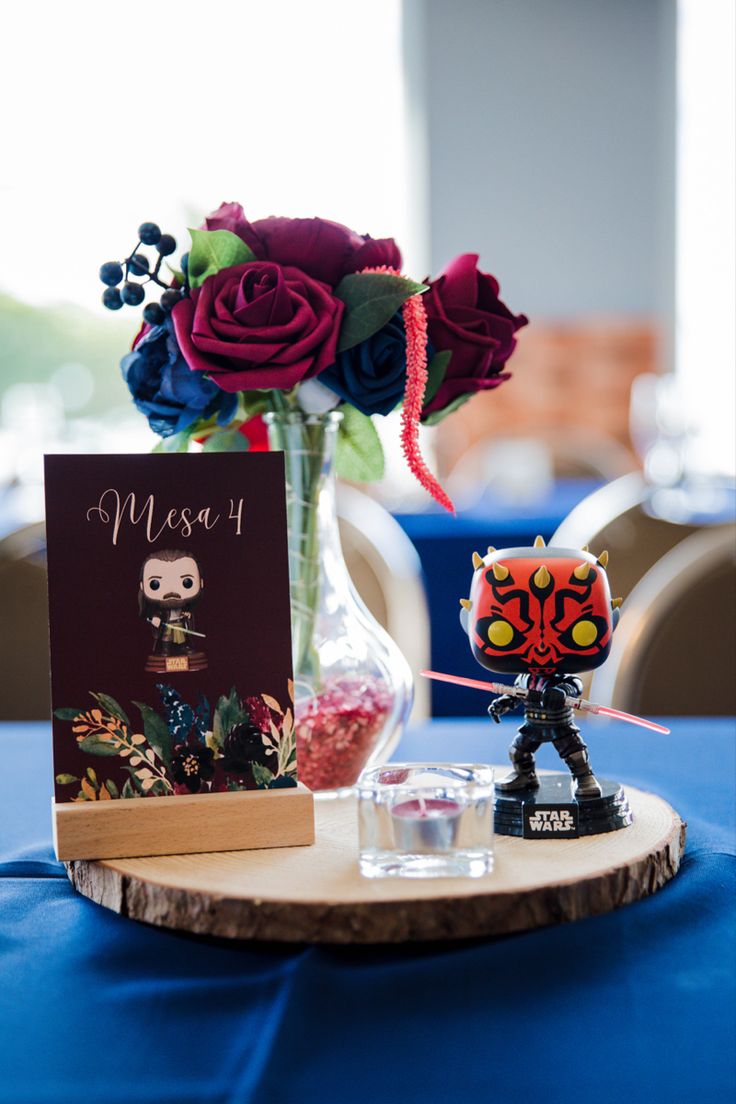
(545, 615)
(170, 585)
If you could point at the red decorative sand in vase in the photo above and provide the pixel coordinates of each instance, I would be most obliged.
(337, 730)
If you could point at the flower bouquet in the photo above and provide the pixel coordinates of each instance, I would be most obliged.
(313, 329)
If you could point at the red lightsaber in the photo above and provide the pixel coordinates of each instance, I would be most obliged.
(574, 703)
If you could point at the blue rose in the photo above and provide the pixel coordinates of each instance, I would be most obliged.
(371, 376)
(166, 390)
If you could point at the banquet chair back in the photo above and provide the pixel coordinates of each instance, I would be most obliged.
(674, 652)
(614, 518)
(386, 572)
(24, 635)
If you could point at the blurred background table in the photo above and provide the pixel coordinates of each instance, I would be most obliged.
(637, 1004)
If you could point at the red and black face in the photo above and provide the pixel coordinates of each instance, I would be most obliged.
(540, 612)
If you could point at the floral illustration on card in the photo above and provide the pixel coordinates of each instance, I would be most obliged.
(178, 747)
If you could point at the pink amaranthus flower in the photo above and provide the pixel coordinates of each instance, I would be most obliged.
(415, 324)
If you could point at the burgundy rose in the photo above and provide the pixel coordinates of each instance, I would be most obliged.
(258, 325)
(466, 317)
(230, 216)
(323, 249)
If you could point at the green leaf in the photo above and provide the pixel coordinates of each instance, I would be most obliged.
(436, 372)
(226, 440)
(134, 781)
(359, 455)
(228, 713)
(67, 714)
(178, 442)
(128, 790)
(262, 775)
(112, 707)
(94, 746)
(213, 250)
(438, 415)
(371, 300)
(217, 742)
(251, 403)
(65, 779)
(93, 778)
(156, 732)
(111, 788)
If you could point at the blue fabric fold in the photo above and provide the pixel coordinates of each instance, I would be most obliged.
(31, 869)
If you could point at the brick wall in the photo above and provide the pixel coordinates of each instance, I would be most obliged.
(570, 388)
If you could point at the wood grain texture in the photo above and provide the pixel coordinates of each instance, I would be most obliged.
(317, 895)
(183, 824)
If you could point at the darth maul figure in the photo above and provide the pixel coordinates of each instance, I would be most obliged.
(546, 615)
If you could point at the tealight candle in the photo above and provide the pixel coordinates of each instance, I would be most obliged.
(426, 824)
(424, 820)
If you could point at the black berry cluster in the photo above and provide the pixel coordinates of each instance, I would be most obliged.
(132, 293)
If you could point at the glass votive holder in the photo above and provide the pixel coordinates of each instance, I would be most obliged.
(426, 820)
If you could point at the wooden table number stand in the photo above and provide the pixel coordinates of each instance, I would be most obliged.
(184, 824)
(161, 719)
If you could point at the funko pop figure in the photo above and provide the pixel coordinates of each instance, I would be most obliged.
(544, 614)
(170, 584)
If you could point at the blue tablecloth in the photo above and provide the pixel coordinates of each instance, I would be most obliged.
(445, 545)
(635, 1005)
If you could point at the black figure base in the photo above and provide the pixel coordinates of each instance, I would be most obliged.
(170, 664)
(552, 812)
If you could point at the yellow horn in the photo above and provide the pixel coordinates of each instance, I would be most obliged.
(477, 561)
(539, 542)
(616, 602)
(500, 572)
(542, 577)
(603, 560)
(586, 548)
(582, 571)
(491, 549)
(466, 603)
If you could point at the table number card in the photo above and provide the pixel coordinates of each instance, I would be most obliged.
(172, 695)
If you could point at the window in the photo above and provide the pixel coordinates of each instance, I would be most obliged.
(706, 237)
(160, 111)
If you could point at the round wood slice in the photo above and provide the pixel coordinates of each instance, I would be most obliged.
(316, 894)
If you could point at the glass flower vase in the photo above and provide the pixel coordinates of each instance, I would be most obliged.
(353, 687)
